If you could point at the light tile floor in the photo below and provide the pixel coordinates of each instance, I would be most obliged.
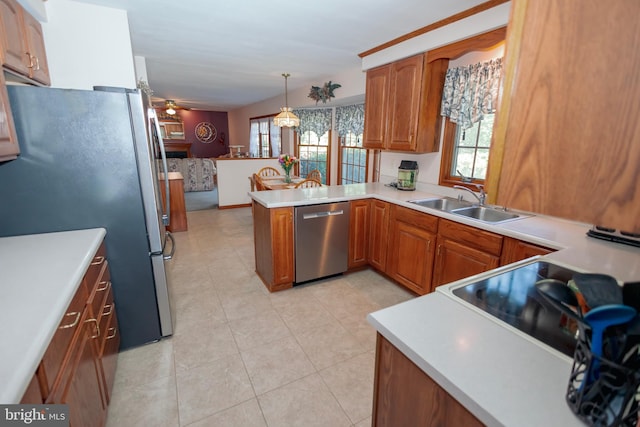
(241, 356)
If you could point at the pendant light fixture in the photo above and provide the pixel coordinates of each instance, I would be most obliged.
(170, 106)
(286, 116)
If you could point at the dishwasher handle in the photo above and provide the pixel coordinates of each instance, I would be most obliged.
(322, 214)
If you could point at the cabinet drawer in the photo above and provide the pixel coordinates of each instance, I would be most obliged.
(104, 319)
(99, 292)
(109, 353)
(95, 268)
(471, 236)
(415, 218)
(57, 350)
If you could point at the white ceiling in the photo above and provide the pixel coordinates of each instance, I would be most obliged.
(220, 55)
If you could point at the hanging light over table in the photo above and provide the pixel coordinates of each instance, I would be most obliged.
(286, 116)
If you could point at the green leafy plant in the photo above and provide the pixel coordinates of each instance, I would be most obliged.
(324, 93)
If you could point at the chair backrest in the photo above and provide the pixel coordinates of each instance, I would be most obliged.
(308, 183)
(268, 171)
(258, 182)
(315, 174)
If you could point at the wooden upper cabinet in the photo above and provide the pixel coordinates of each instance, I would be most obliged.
(38, 66)
(9, 148)
(23, 50)
(405, 81)
(402, 105)
(14, 44)
(567, 126)
(376, 107)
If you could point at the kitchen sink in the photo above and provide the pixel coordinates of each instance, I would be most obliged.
(444, 204)
(486, 214)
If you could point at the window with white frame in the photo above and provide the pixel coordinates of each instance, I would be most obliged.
(265, 138)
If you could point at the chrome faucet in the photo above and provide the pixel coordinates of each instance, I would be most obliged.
(481, 198)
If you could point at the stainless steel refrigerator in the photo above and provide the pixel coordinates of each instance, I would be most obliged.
(94, 158)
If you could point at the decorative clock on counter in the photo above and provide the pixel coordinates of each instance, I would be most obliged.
(206, 132)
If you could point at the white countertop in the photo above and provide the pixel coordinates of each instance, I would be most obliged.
(573, 246)
(39, 275)
(501, 375)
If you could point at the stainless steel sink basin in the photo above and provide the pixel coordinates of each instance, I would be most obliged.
(443, 204)
(486, 214)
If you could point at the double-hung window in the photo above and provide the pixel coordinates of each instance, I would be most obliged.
(264, 137)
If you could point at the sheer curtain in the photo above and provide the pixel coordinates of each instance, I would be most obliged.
(253, 139)
(471, 91)
(275, 133)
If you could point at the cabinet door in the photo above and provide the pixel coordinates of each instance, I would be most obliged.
(568, 120)
(376, 107)
(405, 396)
(358, 233)
(81, 385)
(405, 82)
(379, 235)
(455, 261)
(39, 67)
(282, 232)
(412, 254)
(9, 148)
(514, 250)
(14, 45)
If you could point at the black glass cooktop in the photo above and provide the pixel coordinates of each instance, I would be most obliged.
(512, 297)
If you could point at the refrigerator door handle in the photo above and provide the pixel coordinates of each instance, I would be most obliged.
(173, 246)
(166, 214)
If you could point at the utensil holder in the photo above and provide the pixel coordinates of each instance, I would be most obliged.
(604, 392)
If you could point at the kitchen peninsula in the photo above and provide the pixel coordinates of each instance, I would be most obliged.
(498, 375)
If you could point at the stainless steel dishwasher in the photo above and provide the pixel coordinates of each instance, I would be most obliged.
(321, 240)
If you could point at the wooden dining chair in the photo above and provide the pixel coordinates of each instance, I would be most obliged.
(268, 171)
(315, 174)
(308, 183)
(257, 181)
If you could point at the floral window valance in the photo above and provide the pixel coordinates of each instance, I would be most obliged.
(317, 120)
(350, 118)
(471, 91)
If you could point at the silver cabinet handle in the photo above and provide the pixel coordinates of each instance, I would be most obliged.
(74, 323)
(97, 260)
(97, 327)
(113, 331)
(108, 307)
(104, 285)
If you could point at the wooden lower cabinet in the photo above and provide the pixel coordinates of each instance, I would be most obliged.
(514, 250)
(78, 368)
(379, 234)
(274, 246)
(358, 233)
(80, 385)
(464, 251)
(412, 245)
(404, 395)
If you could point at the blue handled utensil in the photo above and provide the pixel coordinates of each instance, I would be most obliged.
(599, 319)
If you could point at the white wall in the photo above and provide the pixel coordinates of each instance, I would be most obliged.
(87, 46)
(233, 179)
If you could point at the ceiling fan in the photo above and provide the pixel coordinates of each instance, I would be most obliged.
(170, 107)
